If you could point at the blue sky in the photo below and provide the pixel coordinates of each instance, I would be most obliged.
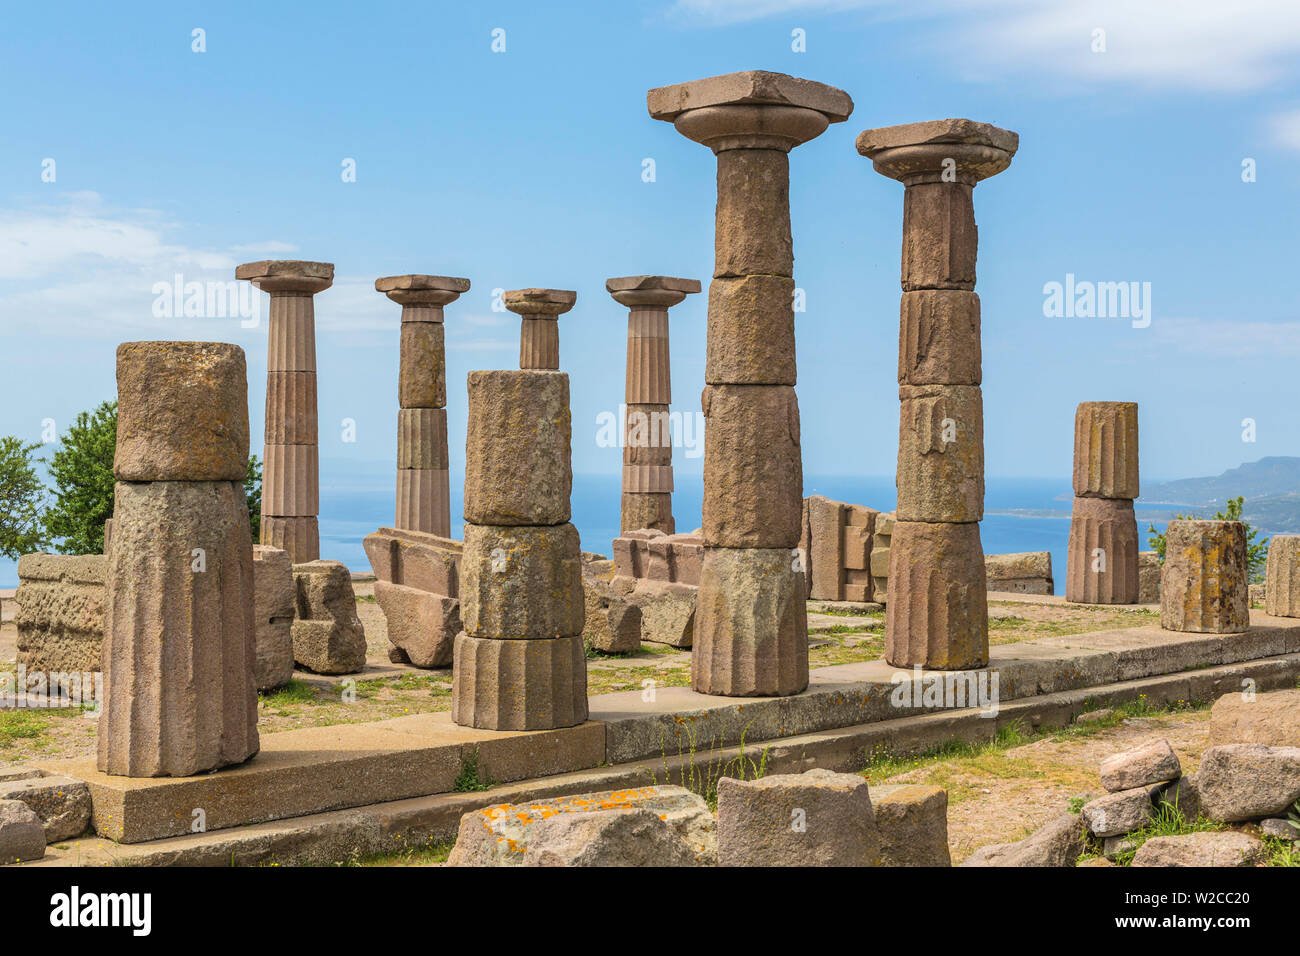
(524, 168)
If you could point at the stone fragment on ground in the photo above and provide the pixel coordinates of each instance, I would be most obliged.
(912, 824)
(1272, 719)
(1281, 828)
(1239, 782)
(22, 835)
(1058, 843)
(629, 837)
(61, 803)
(503, 835)
(1117, 813)
(1151, 763)
(1226, 848)
(327, 636)
(817, 818)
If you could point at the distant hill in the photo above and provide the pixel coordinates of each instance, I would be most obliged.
(1271, 487)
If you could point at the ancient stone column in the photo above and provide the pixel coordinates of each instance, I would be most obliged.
(520, 663)
(179, 633)
(751, 628)
(291, 455)
(937, 612)
(423, 489)
(539, 335)
(1102, 559)
(647, 447)
(1282, 576)
(1204, 584)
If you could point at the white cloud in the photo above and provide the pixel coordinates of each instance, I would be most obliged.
(1285, 129)
(1199, 44)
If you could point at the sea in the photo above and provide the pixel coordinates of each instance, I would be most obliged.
(1020, 514)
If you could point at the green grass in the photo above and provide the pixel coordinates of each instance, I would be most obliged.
(295, 692)
(27, 724)
(1167, 820)
(701, 776)
(471, 779)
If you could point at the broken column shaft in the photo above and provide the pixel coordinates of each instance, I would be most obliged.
(1102, 558)
(937, 609)
(647, 446)
(423, 488)
(291, 456)
(539, 331)
(179, 631)
(751, 629)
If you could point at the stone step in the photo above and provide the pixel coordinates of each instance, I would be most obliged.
(413, 823)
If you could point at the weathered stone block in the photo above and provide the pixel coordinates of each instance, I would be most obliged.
(422, 624)
(327, 636)
(1148, 577)
(519, 684)
(416, 559)
(422, 438)
(63, 804)
(59, 612)
(941, 453)
(1101, 565)
(1151, 763)
(939, 338)
(753, 472)
(612, 623)
(517, 455)
(1117, 813)
(751, 624)
(422, 375)
(1248, 781)
(300, 536)
(1272, 719)
(940, 239)
(521, 582)
(1282, 576)
(937, 606)
(22, 837)
(912, 822)
(1058, 843)
(647, 511)
(752, 224)
(817, 818)
(1201, 849)
(751, 331)
(182, 412)
(274, 600)
(1203, 585)
(1028, 572)
(1106, 450)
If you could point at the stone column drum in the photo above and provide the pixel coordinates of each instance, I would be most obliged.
(1282, 576)
(647, 449)
(539, 333)
(751, 627)
(1102, 558)
(520, 663)
(936, 612)
(1204, 584)
(179, 626)
(291, 455)
(423, 489)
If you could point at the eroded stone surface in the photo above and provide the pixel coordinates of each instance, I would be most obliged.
(274, 598)
(328, 637)
(1101, 564)
(59, 612)
(937, 609)
(1151, 763)
(1106, 450)
(521, 684)
(1204, 583)
(1282, 576)
(1201, 849)
(521, 581)
(1272, 719)
(1248, 781)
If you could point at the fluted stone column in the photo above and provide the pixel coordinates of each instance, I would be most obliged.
(520, 663)
(291, 455)
(937, 610)
(647, 448)
(1282, 576)
(539, 333)
(179, 632)
(1102, 558)
(423, 489)
(751, 626)
(1204, 583)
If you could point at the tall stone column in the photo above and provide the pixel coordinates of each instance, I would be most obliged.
(539, 335)
(179, 627)
(647, 446)
(423, 489)
(1102, 557)
(751, 626)
(937, 610)
(520, 663)
(291, 455)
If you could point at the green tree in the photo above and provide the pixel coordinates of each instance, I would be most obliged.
(1256, 554)
(22, 499)
(253, 495)
(82, 470)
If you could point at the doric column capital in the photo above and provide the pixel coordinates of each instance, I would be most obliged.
(288, 275)
(951, 150)
(540, 303)
(753, 109)
(650, 292)
(423, 290)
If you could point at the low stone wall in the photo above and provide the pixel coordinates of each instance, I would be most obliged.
(1028, 572)
(418, 588)
(60, 611)
(838, 543)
